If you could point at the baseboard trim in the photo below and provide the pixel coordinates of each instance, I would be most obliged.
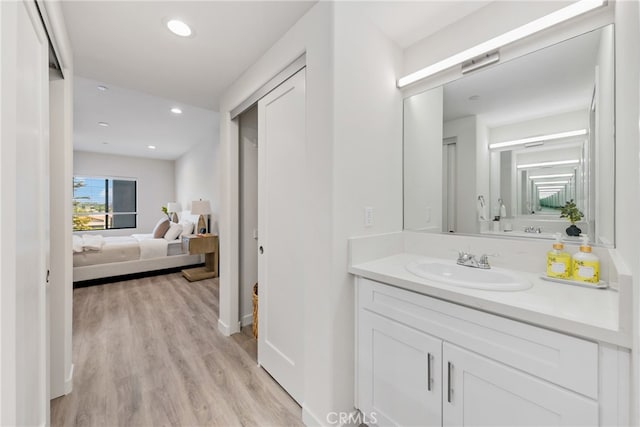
(246, 320)
(68, 382)
(224, 328)
(309, 419)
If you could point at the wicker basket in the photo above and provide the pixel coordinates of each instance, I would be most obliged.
(254, 327)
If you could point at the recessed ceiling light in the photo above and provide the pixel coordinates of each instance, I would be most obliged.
(151, 147)
(105, 143)
(179, 28)
(103, 124)
(103, 88)
(176, 110)
(474, 97)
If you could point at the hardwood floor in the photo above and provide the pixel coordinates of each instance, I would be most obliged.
(148, 352)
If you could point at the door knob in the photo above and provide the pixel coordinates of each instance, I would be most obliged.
(261, 250)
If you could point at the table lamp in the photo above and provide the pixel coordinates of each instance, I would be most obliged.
(202, 208)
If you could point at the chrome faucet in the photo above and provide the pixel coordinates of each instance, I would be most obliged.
(467, 259)
(533, 229)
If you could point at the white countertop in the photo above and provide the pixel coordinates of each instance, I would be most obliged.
(579, 311)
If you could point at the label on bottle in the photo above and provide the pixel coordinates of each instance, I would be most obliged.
(586, 271)
(558, 266)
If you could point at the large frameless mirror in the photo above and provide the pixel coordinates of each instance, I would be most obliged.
(502, 150)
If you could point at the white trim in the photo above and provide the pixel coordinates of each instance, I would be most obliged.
(226, 330)
(68, 382)
(246, 320)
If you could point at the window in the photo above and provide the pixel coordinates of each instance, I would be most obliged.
(103, 203)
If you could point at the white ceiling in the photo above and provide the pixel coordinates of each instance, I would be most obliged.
(136, 120)
(126, 43)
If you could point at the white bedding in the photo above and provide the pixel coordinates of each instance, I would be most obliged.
(123, 248)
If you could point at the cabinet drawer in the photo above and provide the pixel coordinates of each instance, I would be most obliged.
(561, 359)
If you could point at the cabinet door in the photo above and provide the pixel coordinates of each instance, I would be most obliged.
(399, 373)
(481, 392)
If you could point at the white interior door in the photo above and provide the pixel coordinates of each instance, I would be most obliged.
(281, 160)
(25, 137)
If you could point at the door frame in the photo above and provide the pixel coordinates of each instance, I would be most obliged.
(229, 321)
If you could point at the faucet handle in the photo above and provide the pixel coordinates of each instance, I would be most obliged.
(484, 260)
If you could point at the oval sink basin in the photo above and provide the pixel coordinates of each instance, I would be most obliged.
(493, 279)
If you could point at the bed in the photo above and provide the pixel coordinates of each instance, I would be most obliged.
(97, 257)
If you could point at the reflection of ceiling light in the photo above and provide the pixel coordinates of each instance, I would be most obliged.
(557, 175)
(151, 147)
(543, 164)
(474, 97)
(561, 15)
(550, 188)
(552, 182)
(105, 143)
(103, 88)
(103, 124)
(179, 28)
(528, 141)
(176, 110)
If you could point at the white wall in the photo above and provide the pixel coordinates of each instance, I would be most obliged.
(248, 212)
(367, 168)
(198, 177)
(155, 187)
(422, 152)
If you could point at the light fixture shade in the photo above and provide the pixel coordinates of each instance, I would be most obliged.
(200, 207)
(173, 207)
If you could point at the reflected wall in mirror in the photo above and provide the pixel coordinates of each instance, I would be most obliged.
(516, 142)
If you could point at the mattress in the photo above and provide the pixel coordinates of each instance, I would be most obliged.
(115, 249)
(127, 248)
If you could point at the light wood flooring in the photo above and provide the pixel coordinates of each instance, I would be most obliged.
(147, 352)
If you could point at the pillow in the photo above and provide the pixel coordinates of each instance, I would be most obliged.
(187, 227)
(173, 232)
(161, 228)
(78, 245)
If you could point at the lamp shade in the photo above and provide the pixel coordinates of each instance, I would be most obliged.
(173, 207)
(200, 207)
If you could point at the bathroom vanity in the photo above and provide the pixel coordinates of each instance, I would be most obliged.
(431, 353)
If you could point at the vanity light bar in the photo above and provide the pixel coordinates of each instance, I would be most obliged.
(556, 163)
(557, 175)
(551, 182)
(540, 138)
(564, 14)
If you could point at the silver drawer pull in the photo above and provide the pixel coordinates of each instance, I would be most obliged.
(429, 372)
(449, 386)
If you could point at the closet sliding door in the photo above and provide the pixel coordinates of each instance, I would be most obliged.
(281, 161)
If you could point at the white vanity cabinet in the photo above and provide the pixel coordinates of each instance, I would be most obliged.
(421, 361)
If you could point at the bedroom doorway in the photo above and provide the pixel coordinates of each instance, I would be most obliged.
(248, 221)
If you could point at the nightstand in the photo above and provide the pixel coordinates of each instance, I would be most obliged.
(206, 244)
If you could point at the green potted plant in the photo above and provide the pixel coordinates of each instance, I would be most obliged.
(166, 212)
(573, 214)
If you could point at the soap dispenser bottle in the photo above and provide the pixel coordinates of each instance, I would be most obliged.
(585, 265)
(558, 261)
